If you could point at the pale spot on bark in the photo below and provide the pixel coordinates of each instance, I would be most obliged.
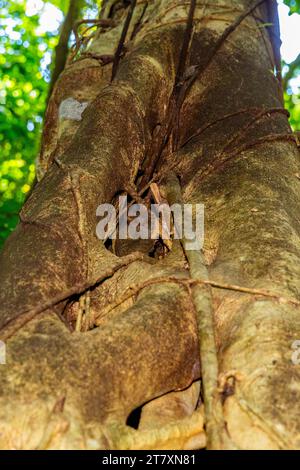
(71, 109)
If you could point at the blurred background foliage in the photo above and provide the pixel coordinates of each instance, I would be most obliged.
(29, 33)
(291, 67)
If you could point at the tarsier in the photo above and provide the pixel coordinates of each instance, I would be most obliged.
(177, 101)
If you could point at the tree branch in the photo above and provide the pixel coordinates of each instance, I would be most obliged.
(61, 50)
(122, 40)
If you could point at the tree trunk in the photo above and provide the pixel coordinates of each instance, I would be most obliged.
(188, 100)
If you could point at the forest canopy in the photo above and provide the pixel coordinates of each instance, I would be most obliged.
(29, 33)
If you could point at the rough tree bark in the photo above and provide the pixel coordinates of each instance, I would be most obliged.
(193, 102)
